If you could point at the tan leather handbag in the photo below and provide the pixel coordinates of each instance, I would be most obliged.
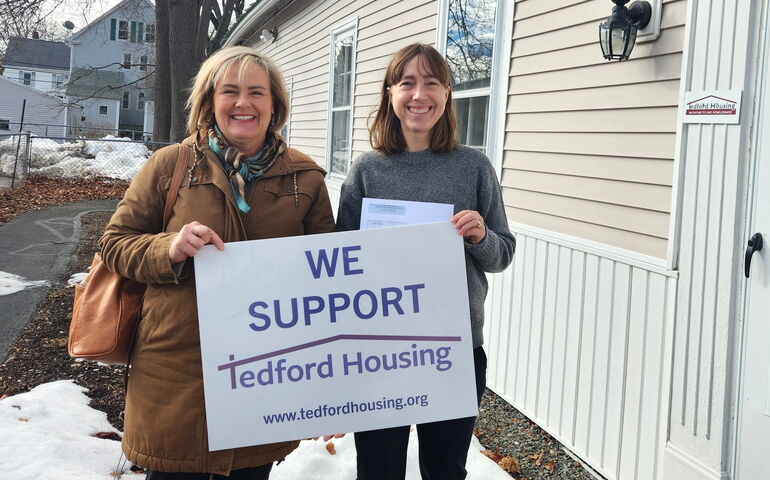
(107, 306)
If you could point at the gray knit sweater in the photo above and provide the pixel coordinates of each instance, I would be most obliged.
(464, 178)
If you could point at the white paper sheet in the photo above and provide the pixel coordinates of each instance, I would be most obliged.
(379, 213)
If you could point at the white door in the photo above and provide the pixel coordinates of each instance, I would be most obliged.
(753, 434)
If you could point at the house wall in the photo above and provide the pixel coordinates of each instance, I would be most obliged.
(40, 109)
(384, 26)
(580, 329)
(86, 120)
(43, 78)
(589, 145)
(93, 48)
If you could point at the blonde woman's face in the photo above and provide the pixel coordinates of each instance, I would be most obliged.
(243, 105)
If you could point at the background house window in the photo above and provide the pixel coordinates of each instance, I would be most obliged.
(149, 33)
(140, 102)
(5, 124)
(103, 109)
(143, 63)
(126, 100)
(470, 47)
(27, 78)
(58, 80)
(127, 60)
(137, 32)
(341, 98)
(123, 29)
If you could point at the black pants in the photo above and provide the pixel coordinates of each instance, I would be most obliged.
(261, 472)
(381, 454)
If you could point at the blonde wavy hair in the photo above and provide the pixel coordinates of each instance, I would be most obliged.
(201, 100)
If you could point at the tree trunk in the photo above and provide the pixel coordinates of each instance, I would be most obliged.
(202, 37)
(182, 33)
(161, 128)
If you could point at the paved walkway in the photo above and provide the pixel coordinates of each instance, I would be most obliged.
(38, 246)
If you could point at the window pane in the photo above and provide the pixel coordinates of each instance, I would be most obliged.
(343, 66)
(123, 30)
(470, 42)
(340, 148)
(472, 121)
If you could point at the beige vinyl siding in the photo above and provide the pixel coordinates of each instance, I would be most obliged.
(302, 52)
(589, 145)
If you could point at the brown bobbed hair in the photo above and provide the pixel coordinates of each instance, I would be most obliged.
(385, 133)
(201, 101)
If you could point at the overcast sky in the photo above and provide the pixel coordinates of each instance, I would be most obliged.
(79, 12)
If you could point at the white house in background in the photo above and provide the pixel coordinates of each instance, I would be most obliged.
(625, 327)
(43, 114)
(39, 64)
(112, 59)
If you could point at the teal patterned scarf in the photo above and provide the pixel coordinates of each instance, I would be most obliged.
(241, 170)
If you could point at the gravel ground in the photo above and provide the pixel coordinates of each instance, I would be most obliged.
(40, 356)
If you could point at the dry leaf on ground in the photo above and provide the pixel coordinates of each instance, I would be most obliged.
(330, 448)
(510, 465)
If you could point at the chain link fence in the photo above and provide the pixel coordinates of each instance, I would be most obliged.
(14, 159)
(70, 157)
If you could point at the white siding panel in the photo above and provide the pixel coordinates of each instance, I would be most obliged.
(588, 334)
(670, 41)
(646, 120)
(642, 170)
(660, 68)
(585, 33)
(649, 94)
(645, 244)
(640, 195)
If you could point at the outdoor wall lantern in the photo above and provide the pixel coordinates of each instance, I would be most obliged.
(269, 35)
(618, 34)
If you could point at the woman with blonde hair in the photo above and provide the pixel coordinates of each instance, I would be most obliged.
(417, 157)
(241, 182)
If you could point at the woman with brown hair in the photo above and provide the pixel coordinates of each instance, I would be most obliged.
(242, 182)
(417, 157)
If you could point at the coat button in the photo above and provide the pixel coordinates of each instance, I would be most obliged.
(223, 466)
(289, 190)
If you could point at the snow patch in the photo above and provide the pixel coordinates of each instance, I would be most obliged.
(10, 283)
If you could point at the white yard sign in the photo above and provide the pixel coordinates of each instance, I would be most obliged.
(319, 334)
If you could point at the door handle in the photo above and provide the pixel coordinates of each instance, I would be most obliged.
(755, 244)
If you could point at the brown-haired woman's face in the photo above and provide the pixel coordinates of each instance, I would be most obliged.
(243, 105)
(418, 99)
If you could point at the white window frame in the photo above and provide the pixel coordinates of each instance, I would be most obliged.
(126, 61)
(140, 101)
(498, 86)
(286, 130)
(58, 80)
(349, 27)
(125, 102)
(6, 122)
(147, 33)
(143, 63)
(106, 110)
(22, 79)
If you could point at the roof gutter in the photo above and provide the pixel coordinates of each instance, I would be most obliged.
(251, 22)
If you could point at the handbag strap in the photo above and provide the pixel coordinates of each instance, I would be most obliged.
(176, 182)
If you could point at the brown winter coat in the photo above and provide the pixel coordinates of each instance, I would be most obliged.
(165, 422)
